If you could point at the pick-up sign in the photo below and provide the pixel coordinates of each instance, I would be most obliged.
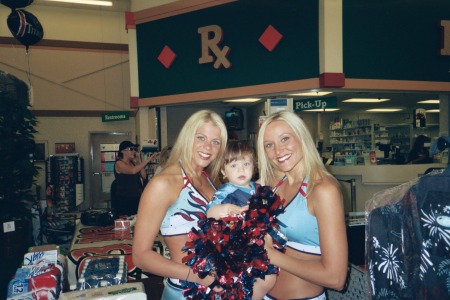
(315, 103)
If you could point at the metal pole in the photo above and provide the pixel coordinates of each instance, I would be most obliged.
(353, 194)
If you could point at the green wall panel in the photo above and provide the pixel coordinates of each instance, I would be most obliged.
(243, 22)
(398, 40)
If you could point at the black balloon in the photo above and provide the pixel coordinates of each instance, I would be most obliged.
(25, 27)
(13, 4)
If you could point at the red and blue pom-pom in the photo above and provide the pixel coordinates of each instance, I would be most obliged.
(232, 249)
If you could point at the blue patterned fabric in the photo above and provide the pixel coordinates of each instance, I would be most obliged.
(408, 243)
(234, 194)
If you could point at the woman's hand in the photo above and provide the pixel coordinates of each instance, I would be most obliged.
(268, 245)
(152, 157)
(137, 158)
(225, 210)
(208, 281)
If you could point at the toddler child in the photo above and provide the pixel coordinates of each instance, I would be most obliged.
(232, 197)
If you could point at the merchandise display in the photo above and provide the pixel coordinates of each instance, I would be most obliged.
(127, 291)
(99, 272)
(41, 275)
(99, 242)
(65, 183)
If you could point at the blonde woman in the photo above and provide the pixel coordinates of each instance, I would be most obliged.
(163, 158)
(313, 220)
(175, 199)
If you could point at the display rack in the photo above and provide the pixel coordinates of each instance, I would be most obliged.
(108, 157)
(352, 137)
(151, 167)
(64, 182)
(64, 192)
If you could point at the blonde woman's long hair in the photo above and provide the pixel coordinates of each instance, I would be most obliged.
(182, 149)
(312, 164)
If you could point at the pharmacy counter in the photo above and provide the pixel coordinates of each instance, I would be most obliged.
(370, 179)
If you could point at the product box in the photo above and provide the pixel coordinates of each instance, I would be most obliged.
(126, 291)
(38, 254)
(103, 271)
(35, 282)
(122, 224)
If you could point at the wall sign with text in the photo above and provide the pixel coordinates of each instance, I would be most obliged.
(315, 103)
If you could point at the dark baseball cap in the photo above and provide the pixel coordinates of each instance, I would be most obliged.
(127, 144)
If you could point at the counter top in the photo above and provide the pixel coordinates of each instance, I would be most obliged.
(384, 174)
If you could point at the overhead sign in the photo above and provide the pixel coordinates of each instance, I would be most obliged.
(116, 116)
(278, 102)
(315, 103)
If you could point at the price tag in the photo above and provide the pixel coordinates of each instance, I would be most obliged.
(9, 226)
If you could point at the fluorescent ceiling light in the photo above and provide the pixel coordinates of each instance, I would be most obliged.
(312, 94)
(366, 100)
(247, 100)
(429, 102)
(90, 2)
(384, 109)
(432, 111)
(321, 110)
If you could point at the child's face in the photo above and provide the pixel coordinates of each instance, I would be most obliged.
(239, 172)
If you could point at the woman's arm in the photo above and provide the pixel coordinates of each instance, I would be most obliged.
(157, 197)
(223, 210)
(331, 270)
(146, 162)
(138, 167)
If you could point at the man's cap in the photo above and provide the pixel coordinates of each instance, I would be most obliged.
(127, 144)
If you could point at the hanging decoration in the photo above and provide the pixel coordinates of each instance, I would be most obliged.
(25, 27)
(14, 4)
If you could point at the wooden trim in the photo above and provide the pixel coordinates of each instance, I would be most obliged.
(68, 45)
(254, 91)
(174, 8)
(295, 86)
(397, 85)
(74, 113)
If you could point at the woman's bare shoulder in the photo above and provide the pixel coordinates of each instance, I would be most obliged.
(326, 185)
(325, 179)
(164, 186)
(170, 176)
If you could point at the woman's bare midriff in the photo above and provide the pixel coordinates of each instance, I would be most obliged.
(289, 286)
(175, 244)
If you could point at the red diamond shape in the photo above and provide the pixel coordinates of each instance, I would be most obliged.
(270, 38)
(166, 57)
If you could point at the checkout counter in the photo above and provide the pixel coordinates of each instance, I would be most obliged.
(370, 179)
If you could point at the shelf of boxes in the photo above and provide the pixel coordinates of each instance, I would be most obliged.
(352, 137)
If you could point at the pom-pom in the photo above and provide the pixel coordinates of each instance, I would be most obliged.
(232, 249)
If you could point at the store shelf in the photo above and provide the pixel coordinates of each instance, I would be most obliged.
(352, 136)
(151, 167)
